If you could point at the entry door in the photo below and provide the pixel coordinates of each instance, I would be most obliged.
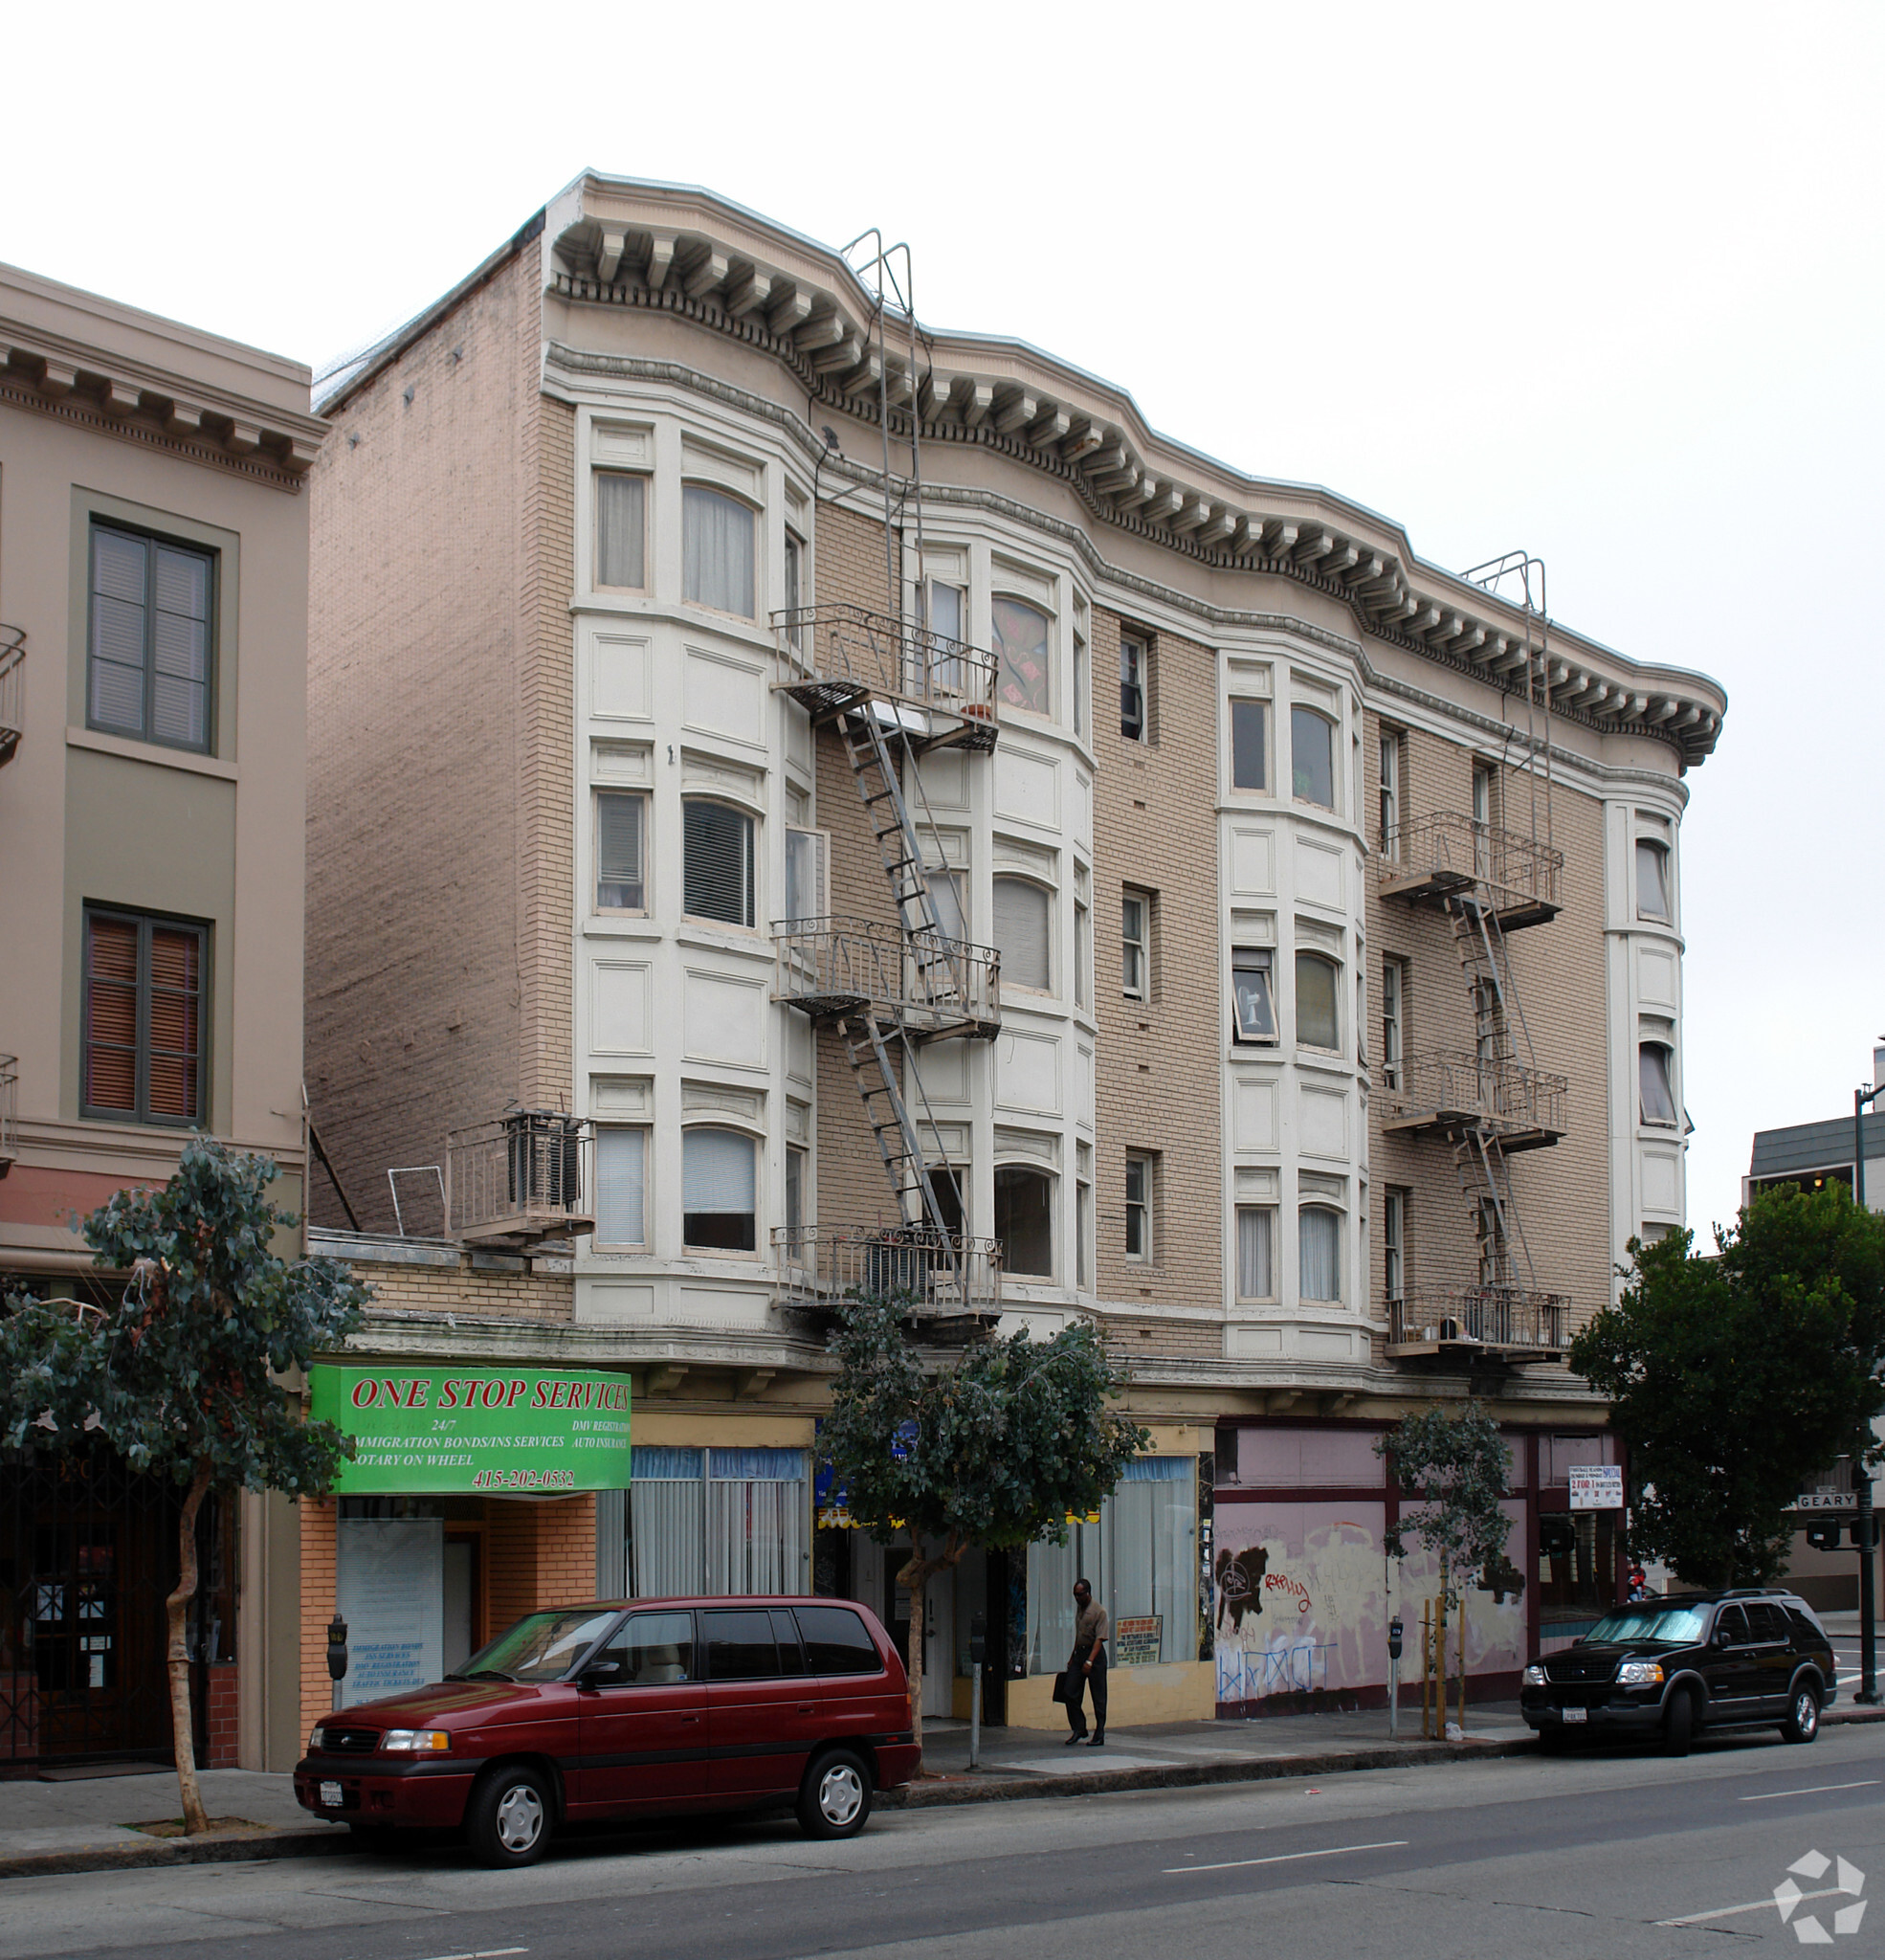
(642, 1735)
(939, 1645)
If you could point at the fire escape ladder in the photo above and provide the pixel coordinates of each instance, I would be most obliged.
(888, 1114)
(874, 770)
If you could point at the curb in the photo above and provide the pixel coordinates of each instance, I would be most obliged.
(179, 1851)
(1197, 1775)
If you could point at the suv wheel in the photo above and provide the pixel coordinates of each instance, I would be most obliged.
(1678, 1724)
(835, 1800)
(1803, 1713)
(508, 1819)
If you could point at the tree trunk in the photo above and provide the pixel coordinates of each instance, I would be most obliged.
(177, 1607)
(915, 1578)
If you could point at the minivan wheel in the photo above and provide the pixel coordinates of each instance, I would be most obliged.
(1803, 1714)
(509, 1817)
(1678, 1726)
(835, 1800)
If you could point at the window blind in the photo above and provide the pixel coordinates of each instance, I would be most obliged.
(717, 843)
(621, 1186)
(176, 986)
(621, 530)
(718, 1188)
(111, 1014)
(618, 852)
(1319, 1240)
(1021, 931)
(1256, 1272)
(717, 550)
(150, 644)
(180, 649)
(120, 574)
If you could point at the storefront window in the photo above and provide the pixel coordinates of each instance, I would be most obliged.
(1141, 1557)
(719, 1521)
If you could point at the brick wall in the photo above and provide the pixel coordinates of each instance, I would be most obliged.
(435, 753)
(221, 1717)
(1159, 1060)
(1562, 1194)
(318, 1517)
(470, 1288)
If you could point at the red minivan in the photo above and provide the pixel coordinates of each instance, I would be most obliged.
(630, 1709)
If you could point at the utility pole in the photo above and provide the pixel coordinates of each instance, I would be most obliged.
(1861, 1474)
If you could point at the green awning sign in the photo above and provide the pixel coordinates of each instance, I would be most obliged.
(468, 1432)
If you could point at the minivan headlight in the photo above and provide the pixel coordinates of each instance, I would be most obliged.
(1640, 1673)
(411, 1739)
(1535, 1675)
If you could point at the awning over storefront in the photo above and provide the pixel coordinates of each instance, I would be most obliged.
(474, 1431)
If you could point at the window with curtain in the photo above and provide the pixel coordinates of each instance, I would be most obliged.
(1140, 1558)
(1249, 745)
(717, 1196)
(1317, 1018)
(1256, 1252)
(719, 1521)
(621, 530)
(1024, 1221)
(146, 996)
(717, 862)
(717, 544)
(1653, 1075)
(1311, 758)
(1651, 879)
(149, 653)
(1022, 915)
(1023, 664)
(621, 1186)
(620, 844)
(1251, 993)
(1319, 1253)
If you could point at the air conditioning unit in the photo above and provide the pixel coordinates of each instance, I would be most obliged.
(544, 1153)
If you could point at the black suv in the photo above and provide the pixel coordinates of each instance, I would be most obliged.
(1669, 1667)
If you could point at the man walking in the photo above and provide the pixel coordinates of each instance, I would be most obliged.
(1086, 1667)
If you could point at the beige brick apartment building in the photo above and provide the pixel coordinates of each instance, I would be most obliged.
(1083, 881)
(153, 688)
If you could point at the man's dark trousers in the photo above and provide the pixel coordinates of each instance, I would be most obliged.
(1097, 1681)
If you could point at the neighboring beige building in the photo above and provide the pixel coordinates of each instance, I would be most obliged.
(153, 586)
(1284, 933)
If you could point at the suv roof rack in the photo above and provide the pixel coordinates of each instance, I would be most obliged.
(1754, 1592)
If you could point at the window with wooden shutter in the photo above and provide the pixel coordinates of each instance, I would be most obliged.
(149, 651)
(1021, 912)
(620, 851)
(144, 988)
(717, 849)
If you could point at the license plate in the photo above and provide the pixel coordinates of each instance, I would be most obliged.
(1577, 1714)
(331, 1796)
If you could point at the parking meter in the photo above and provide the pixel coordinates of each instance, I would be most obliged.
(1395, 1632)
(337, 1648)
(978, 1639)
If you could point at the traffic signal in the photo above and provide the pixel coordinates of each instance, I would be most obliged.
(1858, 1533)
(1824, 1536)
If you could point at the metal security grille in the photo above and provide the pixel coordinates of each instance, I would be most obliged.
(87, 1556)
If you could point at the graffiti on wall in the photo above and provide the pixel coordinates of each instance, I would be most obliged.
(1305, 1592)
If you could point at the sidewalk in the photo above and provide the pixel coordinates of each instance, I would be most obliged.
(86, 1824)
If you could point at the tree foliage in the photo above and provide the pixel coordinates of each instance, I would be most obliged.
(182, 1376)
(1737, 1379)
(996, 1444)
(1455, 1464)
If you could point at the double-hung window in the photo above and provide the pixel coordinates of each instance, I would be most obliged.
(1393, 1022)
(717, 862)
(1651, 879)
(149, 656)
(1022, 912)
(1390, 842)
(1133, 661)
(146, 998)
(1249, 745)
(1135, 945)
(1395, 1217)
(718, 1195)
(1251, 993)
(621, 851)
(1024, 1221)
(1023, 663)
(621, 531)
(1140, 1170)
(1319, 1249)
(1317, 1018)
(621, 1186)
(718, 550)
(1312, 757)
(1256, 1252)
(1656, 1077)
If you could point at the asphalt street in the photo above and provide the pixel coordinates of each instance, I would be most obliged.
(1615, 1852)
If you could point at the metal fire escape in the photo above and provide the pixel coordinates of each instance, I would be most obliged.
(892, 690)
(1492, 1101)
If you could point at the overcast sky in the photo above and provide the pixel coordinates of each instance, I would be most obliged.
(1603, 281)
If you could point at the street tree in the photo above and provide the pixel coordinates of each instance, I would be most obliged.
(998, 1443)
(1455, 1464)
(1736, 1378)
(182, 1376)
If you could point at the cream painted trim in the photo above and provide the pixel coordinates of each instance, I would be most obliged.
(677, 1425)
(153, 752)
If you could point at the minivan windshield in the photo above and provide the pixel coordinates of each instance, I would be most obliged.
(1671, 1625)
(542, 1646)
